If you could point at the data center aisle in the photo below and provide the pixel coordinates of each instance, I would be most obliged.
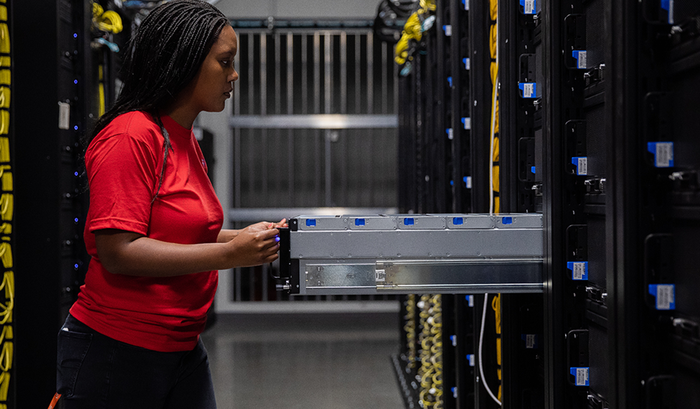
(329, 361)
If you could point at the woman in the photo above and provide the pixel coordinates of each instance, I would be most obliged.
(154, 224)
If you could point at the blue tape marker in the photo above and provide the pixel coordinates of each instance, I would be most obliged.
(581, 164)
(532, 170)
(528, 89)
(457, 221)
(668, 6)
(467, 122)
(470, 358)
(581, 374)
(467, 182)
(581, 57)
(507, 220)
(449, 81)
(579, 269)
(409, 221)
(529, 6)
(359, 222)
(665, 296)
(311, 222)
(663, 153)
(470, 300)
(531, 341)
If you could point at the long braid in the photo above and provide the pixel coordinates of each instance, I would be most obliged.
(166, 148)
(163, 57)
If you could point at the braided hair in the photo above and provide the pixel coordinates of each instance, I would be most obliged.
(163, 57)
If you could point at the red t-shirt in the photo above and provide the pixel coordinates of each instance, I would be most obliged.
(123, 164)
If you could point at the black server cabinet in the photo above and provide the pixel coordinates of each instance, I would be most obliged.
(53, 87)
(667, 157)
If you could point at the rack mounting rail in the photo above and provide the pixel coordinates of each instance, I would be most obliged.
(406, 254)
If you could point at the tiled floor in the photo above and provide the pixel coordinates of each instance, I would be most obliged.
(329, 361)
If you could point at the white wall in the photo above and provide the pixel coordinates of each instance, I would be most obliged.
(281, 9)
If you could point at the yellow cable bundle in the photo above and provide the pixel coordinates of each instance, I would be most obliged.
(4, 149)
(6, 333)
(411, 31)
(5, 257)
(6, 206)
(4, 38)
(428, 5)
(101, 91)
(413, 27)
(410, 328)
(8, 284)
(4, 388)
(109, 21)
(5, 97)
(496, 306)
(6, 178)
(6, 356)
(401, 50)
(4, 122)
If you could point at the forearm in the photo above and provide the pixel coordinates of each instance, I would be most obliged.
(129, 253)
(153, 258)
(226, 235)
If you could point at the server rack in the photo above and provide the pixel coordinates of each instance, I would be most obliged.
(597, 118)
(63, 77)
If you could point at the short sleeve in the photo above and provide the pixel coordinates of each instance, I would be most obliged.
(122, 175)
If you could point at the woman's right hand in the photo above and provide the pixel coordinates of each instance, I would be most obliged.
(254, 245)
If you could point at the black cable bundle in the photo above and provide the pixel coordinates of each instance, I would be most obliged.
(391, 17)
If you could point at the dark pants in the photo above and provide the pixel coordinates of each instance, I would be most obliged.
(98, 372)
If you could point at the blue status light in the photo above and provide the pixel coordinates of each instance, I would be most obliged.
(75, 220)
(75, 35)
(75, 127)
(75, 82)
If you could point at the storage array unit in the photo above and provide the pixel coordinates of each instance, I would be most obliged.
(587, 112)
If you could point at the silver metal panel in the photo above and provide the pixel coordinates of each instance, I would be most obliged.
(322, 223)
(371, 223)
(402, 244)
(468, 276)
(329, 275)
(461, 275)
(414, 222)
(458, 221)
(517, 221)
